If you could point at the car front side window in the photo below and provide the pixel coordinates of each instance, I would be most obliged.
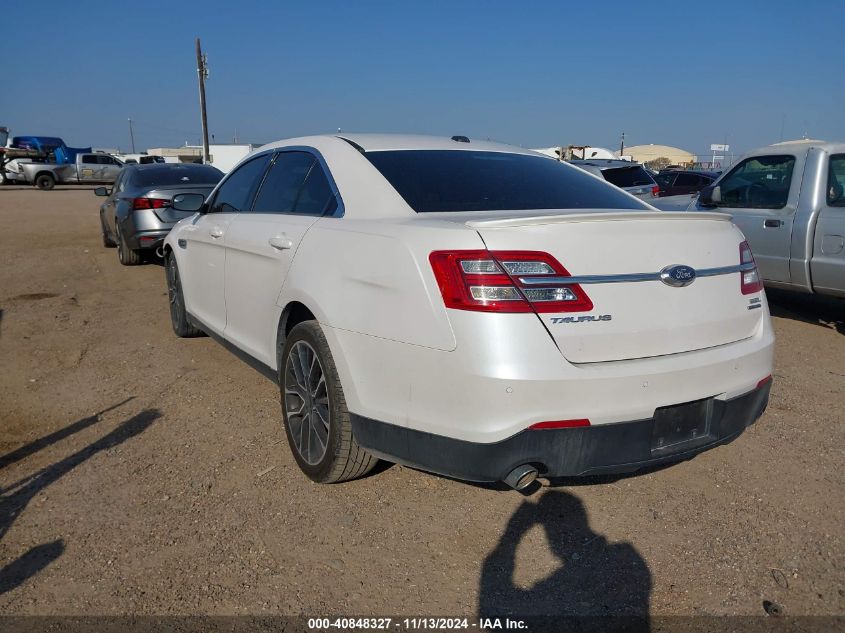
(761, 182)
(120, 185)
(237, 191)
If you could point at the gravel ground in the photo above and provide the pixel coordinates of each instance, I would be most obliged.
(144, 474)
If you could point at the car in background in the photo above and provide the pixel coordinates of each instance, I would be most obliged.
(87, 168)
(472, 309)
(141, 159)
(632, 177)
(137, 214)
(789, 201)
(678, 182)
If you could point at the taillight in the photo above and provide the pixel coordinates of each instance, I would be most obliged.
(748, 275)
(655, 191)
(506, 281)
(150, 203)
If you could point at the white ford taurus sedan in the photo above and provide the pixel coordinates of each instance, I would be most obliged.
(472, 309)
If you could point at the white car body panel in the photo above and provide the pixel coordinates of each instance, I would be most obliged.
(255, 272)
(405, 359)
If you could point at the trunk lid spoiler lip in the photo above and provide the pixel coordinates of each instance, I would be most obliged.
(612, 216)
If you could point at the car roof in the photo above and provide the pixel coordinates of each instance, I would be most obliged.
(790, 147)
(395, 142)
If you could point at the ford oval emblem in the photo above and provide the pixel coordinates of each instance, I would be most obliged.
(677, 275)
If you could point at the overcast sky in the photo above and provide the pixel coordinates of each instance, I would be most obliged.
(529, 73)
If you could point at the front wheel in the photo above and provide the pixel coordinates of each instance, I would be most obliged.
(314, 411)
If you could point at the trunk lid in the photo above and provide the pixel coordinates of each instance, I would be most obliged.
(637, 319)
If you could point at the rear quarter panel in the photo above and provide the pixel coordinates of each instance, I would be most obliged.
(374, 278)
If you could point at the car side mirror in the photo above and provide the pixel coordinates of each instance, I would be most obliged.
(710, 196)
(716, 195)
(102, 192)
(192, 202)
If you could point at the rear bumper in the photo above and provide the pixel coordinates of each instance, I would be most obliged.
(147, 239)
(611, 448)
(143, 229)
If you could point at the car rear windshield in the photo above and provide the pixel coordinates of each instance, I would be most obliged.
(177, 175)
(633, 176)
(434, 181)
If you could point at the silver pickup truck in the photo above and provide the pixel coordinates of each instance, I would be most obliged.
(788, 200)
(96, 168)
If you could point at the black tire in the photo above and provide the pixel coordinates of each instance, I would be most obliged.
(343, 458)
(45, 182)
(182, 326)
(107, 241)
(127, 256)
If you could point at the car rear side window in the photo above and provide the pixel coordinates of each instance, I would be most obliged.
(633, 176)
(434, 181)
(237, 191)
(284, 180)
(836, 181)
(296, 184)
(761, 182)
(89, 159)
(316, 196)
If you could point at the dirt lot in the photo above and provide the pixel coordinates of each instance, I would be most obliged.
(145, 474)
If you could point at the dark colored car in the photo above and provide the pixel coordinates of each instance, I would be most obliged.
(632, 177)
(137, 214)
(680, 182)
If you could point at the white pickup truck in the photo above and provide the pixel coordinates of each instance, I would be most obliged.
(788, 200)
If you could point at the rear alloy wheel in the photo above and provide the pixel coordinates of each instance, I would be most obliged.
(45, 182)
(127, 256)
(314, 410)
(182, 326)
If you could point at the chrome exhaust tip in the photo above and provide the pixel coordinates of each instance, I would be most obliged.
(160, 252)
(521, 477)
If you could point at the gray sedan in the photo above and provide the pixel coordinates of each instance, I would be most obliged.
(137, 214)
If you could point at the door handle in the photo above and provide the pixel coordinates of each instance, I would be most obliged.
(772, 224)
(216, 232)
(280, 242)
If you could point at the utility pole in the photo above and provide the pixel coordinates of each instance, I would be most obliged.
(131, 135)
(202, 74)
(622, 146)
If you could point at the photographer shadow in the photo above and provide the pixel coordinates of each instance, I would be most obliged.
(604, 585)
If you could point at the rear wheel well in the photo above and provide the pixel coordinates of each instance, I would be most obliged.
(293, 314)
